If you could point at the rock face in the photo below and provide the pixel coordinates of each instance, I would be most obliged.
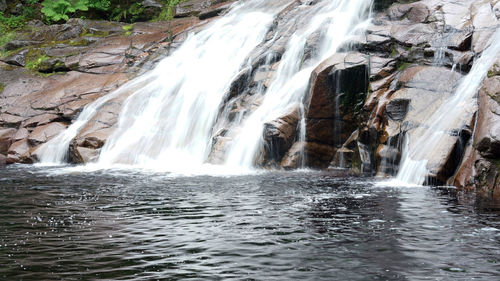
(481, 166)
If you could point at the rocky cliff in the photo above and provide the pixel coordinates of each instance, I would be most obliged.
(361, 103)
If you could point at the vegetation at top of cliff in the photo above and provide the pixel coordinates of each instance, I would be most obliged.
(19, 12)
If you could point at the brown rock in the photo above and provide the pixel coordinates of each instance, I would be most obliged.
(488, 128)
(6, 139)
(83, 155)
(279, 135)
(22, 133)
(44, 133)
(316, 155)
(337, 90)
(418, 13)
(40, 120)
(339, 74)
(19, 152)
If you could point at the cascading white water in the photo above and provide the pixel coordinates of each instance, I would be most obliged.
(336, 20)
(55, 151)
(418, 151)
(169, 118)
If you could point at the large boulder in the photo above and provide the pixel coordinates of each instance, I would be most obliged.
(338, 88)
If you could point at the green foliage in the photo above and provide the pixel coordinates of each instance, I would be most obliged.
(56, 10)
(403, 66)
(127, 14)
(34, 63)
(2, 86)
(128, 29)
(168, 11)
(102, 5)
(11, 22)
(6, 37)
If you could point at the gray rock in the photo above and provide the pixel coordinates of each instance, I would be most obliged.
(18, 59)
(151, 3)
(396, 109)
(16, 44)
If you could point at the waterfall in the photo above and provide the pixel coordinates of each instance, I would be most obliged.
(168, 117)
(336, 20)
(418, 150)
(171, 110)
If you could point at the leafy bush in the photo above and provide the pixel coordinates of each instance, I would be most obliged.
(11, 22)
(56, 10)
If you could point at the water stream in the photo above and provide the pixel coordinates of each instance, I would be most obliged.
(168, 119)
(341, 18)
(430, 139)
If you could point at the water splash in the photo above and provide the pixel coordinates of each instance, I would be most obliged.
(420, 148)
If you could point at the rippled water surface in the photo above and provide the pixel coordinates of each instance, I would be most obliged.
(272, 226)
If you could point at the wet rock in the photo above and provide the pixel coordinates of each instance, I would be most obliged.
(391, 157)
(413, 35)
(316, 155)
(396, 109)
(488, 129)
(83, 154)
(347, 157)
(340, 74)
(3, 5)
(337, 91)
(6, 139)
(279, 136)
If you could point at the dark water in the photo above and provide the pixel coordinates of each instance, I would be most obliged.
(275, 226)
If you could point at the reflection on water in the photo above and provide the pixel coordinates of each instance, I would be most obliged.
(281, 226)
